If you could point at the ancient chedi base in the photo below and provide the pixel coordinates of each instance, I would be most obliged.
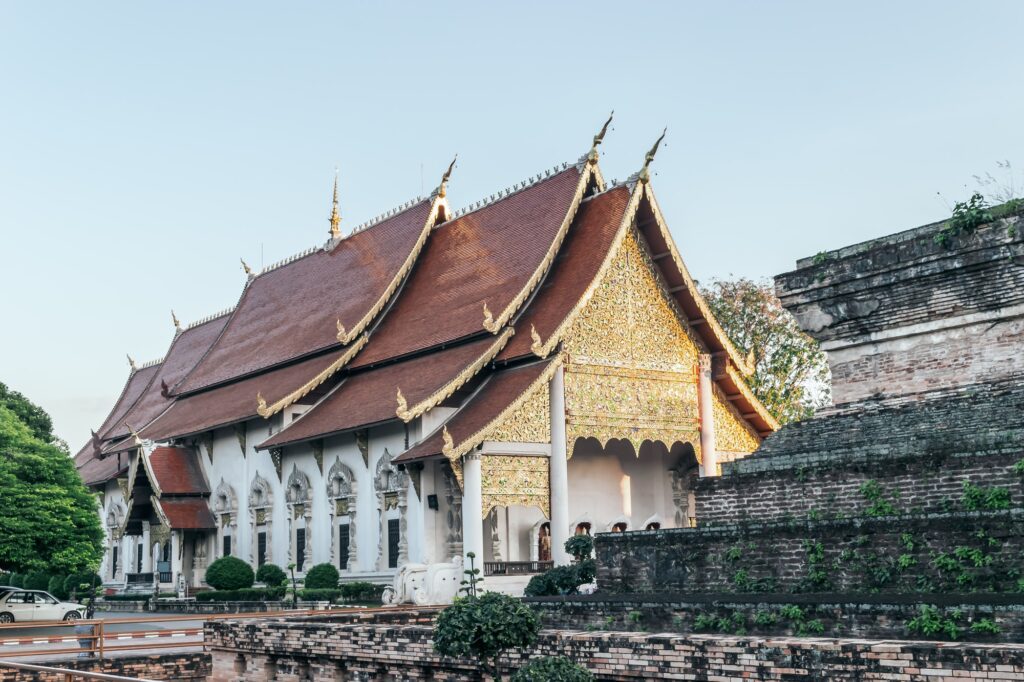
(433, 383)
(911, 486)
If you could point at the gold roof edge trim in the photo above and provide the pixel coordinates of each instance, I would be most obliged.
(346, 336)
(590, 170)
(544, 349)
(455, 452)
(161, 514)
(267, 411)
(702, 305)
(407, 414)
(144, 456)
(754, 401)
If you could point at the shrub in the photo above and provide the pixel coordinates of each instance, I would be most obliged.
(37, 580)
(580, 546)
(56, 587)
(74, 584)
(247, 594)
(319, 594)
(16, 580)
(322, 577)
(930, 622)
(271, 575)
(229, 573)
(561, 579)
(484, 627)
(552, 669)
(361, 591)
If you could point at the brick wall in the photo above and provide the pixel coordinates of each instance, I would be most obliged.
(871, 616)
(186, 667)
(913, 553)
(304, 651)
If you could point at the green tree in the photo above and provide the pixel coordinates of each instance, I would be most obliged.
(791, 375)
(48, 519)
(485, 626)
(30, 414)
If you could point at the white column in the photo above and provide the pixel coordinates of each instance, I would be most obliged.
(709, 457)
(147, 550)
(558, 468)
(472, 516)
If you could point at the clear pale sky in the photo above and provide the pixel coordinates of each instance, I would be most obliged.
(145, 147)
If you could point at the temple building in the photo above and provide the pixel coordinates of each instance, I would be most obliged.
(435, 382)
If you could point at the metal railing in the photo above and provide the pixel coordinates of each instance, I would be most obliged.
(70, 675)
(516, 567)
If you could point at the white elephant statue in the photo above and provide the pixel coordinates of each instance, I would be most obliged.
(424, 584)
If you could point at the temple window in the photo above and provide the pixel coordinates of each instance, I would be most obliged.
(583, 528)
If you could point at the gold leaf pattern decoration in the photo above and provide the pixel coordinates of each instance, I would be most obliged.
(531, 423)
(508, 480)
(732, 435)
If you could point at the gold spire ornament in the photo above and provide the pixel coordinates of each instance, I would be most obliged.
(177, 324)
(245, 266)
(131, 363)
(599, 138)
(442, 189)
(645, 172)
(335, 218)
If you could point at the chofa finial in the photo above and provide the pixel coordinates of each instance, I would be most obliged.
(645, 173)
(134, 433)
(442, 189)
(599, 138)
(446, 439)
(261, 405)
(131, 362)
(403, 406)
(335, 218)
(177, 324)
(245, 266)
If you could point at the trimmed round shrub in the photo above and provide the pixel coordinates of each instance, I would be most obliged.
(77, 585)
(56, 587)
(271, 575)
(580, 547)
(230, 573)
(37, 580)
(322, 577)
(552, 669)
(485, 626)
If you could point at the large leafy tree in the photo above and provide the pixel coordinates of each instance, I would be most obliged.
(48, 518)
(33, 416)
(791, 375)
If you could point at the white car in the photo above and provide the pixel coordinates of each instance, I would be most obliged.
(36, 605)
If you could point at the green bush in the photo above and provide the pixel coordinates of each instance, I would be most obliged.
(319, 594)
(552, 669)
(485, 626)
(73, 584)
(16, 580)
(361, 591)
(561, 579)
(271, 575)
(37, 580)
(580, 547)
(230, 573)
(246, 594)
(321, 577)
(56, 587)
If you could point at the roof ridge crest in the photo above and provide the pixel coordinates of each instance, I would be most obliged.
(511, 189)
(149, 363)
(210, 318)
(401, 208)
(289, 259)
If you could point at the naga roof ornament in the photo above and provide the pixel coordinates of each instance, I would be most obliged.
(246, 268)
(177, 324)
(592, 155)
(645, 173)
(442, 189)
(335, 218)
(131, 363)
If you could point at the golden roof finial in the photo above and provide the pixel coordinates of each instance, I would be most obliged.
(342, 333)
(135, 436)
(335, 218)
(442, 189)
(177, 324)
(245, 266)
(446, 437)
(489, 324)
(131, 362)
(261, 405)
(645, 173)
(403, 406)
(599, 138)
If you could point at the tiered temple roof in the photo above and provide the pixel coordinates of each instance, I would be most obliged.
(419, 309)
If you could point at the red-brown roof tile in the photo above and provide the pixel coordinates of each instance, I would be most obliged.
(185, 351)
(95, 471)
(138, 382)
(499, 392)
(188, 513)
(177, 471)
(234, 402)
(293, 310)
(487, 256)
(370, 397)
(576, 267)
